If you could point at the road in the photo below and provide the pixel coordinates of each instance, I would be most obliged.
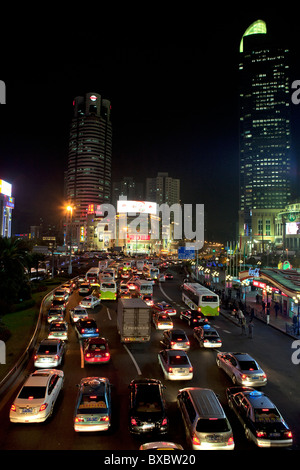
(271, 348)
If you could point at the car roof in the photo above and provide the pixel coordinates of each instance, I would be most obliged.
(240, 356)
(258, 399)
(38, 379)
(175, 352)
(93, 384)
(50, 341)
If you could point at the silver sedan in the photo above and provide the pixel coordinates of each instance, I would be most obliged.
(242, 369)
(175, 364)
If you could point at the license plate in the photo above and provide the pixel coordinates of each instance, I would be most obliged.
(27, 410)
(274, 434)
(91, 419)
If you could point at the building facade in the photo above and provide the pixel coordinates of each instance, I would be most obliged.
(88, 175)
(163, 189)
(265, 135)
(7, 203)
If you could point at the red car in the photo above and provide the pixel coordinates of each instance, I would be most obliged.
(96, 351)
(164, 307)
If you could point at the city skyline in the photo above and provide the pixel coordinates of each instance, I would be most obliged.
(174, 109)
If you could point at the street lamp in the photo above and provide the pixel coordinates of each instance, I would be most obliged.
(70, 211)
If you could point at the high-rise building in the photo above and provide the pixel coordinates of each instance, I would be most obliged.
(7, 203)
(265, 139)
(163, 189)
(129, 187)
(88, 176)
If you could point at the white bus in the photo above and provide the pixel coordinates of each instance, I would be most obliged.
(109, 272)
(151, 272)
(144, 290)
(108, 289)
(92, 275)
(198, 297)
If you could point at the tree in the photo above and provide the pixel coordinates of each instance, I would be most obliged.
(13, 275)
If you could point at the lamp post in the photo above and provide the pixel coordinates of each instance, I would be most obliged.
(70, 211)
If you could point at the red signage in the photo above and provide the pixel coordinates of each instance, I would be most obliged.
(138, 238)
(262, 285)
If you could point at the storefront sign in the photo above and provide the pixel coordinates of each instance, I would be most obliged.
(261, 285)
(253, 272)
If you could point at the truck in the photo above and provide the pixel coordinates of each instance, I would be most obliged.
(134, 321)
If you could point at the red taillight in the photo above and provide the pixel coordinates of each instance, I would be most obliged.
(172, 343)
(260, 434)
(82, 330)
(190, 369)
(230, 441)
(188, 343)
(196, 440)
(43, 406)
(288, 434)
(56, 357)
(170, 369)
(133, 422)
(79, 420)
(13, 407)
(35, 358)
(164, 422)
(104, 418)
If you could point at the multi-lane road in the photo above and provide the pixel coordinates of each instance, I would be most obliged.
(272, 349)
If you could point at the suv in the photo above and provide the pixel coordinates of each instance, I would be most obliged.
(147, 411)
(207, 427)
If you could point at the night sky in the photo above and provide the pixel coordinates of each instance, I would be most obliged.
(174, 94)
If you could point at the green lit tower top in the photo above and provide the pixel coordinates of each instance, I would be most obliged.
(265, 166)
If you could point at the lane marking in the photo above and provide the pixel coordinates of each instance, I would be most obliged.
(163, 292)
(108, 313)
(133, 360)
(81, 355)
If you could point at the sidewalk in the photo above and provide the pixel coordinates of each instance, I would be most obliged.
(279, 321)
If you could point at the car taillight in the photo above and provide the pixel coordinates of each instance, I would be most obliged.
(82, 330)
(288, 434)
(97, 330)
(88, 355)
(188, 343)
(107, 354)
(230, 441)
(170, 369)
(79, 420)
(35, 358)
(190, 369)
(164, 422)
(133, 421)
(172, 343)
(43, 406)
(13, 407)
(196, 440)
(260, 434)
(104, 418)
(56, 357)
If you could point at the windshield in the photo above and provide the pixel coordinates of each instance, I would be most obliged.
(31, 393)
(248, 365)
(47, 349)
(266, 415)
(178, 360)
(92, 404)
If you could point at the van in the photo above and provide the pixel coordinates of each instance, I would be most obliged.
(206, 425)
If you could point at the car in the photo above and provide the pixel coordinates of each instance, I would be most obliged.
(162, 321)
(175, 364)
(241, 368)
(207, 336)
(59, 303)
(176, 339)
(84, 288)
(78, 313)
(61, 294)
(90, 302)
(49, 353)
(168, 276)
(86, 328)
(160, 445)
(147, 409)
(193, 317)
(36, 399)
(131, 284)
(96, 351)
(164, 307)
(93, 405)
(262, 422)
(123, 288)
(58, 330)
(55, 314)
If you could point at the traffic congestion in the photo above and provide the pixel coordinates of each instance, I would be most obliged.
(152, 370)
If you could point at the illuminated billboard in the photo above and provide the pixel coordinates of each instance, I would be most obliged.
(142, 207)
(5, 188)
(292, 228)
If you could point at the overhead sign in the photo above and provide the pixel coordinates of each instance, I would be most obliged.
(186, 253)
(5, 188)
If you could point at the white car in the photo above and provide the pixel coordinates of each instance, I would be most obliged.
(58, 330)
(175, 364)
(49, 353)
(37, 397)
(78, 313)
(242, 369)
(90, 302)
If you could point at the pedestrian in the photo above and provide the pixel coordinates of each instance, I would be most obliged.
(263, 306)
(243, 325)
(240, 316)
(268, 316)
(276, 308)
(250, 328)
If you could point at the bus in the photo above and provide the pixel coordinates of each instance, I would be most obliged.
(108, 289)
(92, 275)
(198, 297)
(144, 289)
(109, 272)
(151, 272)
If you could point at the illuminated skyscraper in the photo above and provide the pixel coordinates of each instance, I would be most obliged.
(265, 166)
(88, 176)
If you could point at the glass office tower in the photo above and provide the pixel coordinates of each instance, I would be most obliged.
(265, 166)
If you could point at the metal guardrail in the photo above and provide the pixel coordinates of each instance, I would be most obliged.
(15, 371)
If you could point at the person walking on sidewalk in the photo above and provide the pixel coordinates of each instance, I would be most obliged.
(240, 316)
(250, 328)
